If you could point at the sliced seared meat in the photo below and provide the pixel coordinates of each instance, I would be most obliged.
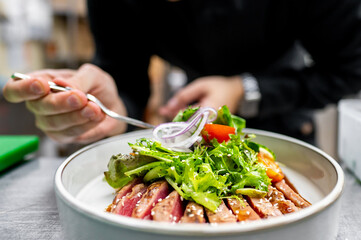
(122, 192)
(194, 213)
(155, 193)
(242, 210)
(263, 207)
(291, 195)
(279, 201)
(156, 202)
(290, 184)
(126, 205)
(169, 209)
(221, 215)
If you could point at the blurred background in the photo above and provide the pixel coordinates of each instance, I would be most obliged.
(36, 34)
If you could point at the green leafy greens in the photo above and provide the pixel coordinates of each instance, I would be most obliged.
(205, 175)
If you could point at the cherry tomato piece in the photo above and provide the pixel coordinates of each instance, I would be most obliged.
(219, 132)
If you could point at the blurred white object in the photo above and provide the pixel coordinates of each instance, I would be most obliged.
(24, 20)
(175, 79)
(39, 19)
(349, 131)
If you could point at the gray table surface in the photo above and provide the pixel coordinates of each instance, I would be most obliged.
(28, 206)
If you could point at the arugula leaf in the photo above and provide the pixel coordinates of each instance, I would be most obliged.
(241, 163)
(155, 173)
(225, 117)
(184, 115)
(238, 123)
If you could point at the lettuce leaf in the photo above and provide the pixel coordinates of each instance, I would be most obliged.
(121, 163)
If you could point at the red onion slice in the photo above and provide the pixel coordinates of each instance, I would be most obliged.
(180, 136)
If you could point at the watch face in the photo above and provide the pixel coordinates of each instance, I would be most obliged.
(249, 105)
(253, 96)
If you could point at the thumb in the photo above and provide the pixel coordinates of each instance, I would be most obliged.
(86, 78)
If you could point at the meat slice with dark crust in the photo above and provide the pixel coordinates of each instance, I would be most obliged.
(155, 193)
(222, 215)
(169, 209)
(122, 192)
(263, 207)
(242, 209)
(289, 194)
(194, 213)
(126, 205)
(279, 201)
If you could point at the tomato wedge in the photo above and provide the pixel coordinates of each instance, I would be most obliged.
(273, 171)
(217, 131)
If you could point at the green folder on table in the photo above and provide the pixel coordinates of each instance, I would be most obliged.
(13, 148)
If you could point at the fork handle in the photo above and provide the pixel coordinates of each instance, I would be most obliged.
(53, 86)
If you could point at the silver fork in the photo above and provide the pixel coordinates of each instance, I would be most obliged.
(107, 111)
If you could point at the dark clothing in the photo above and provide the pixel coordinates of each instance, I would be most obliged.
(229, 37)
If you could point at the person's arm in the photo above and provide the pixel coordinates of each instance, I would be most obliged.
(122, 41)
(330, 30)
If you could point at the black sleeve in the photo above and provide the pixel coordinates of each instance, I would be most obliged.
(330, 30)
(122, 48)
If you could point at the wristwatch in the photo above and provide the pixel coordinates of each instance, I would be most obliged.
(249, 104)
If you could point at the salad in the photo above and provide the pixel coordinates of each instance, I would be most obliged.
(204, 158)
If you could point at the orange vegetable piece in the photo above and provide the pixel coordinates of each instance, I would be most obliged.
(272, 169)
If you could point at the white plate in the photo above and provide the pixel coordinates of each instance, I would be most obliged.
(82, 197)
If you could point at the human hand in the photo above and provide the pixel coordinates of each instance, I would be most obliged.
(68, 116)
(210, 91)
